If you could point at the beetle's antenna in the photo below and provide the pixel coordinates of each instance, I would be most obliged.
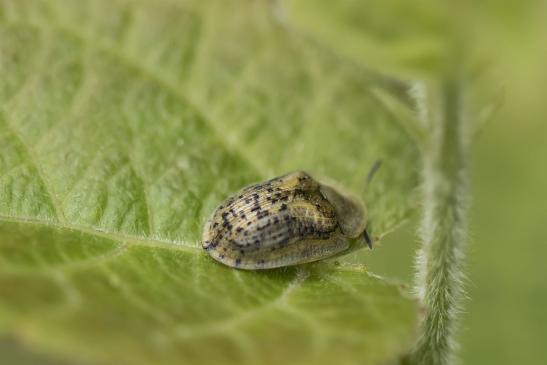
(374, 168)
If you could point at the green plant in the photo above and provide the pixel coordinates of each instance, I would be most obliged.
(443, 230)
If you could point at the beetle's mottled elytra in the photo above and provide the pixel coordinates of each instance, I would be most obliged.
(289, 220)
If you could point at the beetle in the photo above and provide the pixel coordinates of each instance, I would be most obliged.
(289, 220)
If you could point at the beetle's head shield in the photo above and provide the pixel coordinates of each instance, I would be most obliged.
(350, 213)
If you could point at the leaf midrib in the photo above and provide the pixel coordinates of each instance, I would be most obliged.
(118, 237)
(125, 240)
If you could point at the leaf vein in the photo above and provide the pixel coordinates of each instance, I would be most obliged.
(184, 332)
(59, 215)
(144, 72)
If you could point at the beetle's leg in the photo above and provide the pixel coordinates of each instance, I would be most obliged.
(367, 239)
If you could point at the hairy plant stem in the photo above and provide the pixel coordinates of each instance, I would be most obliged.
(443, 228)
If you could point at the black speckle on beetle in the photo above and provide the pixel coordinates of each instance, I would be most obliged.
(212, 245)
(262, 214)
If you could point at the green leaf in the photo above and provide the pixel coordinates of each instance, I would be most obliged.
(123, 124)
